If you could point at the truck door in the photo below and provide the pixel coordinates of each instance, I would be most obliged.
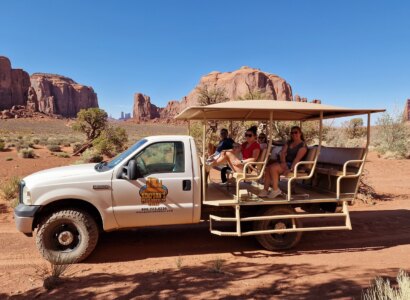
(163, 193)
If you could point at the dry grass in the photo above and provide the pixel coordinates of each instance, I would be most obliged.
(52, 273)
(383, 290)
(10, 188)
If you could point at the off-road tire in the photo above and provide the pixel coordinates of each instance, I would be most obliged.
(87, 230)
(274, 242)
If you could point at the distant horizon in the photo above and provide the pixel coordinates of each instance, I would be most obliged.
(351, 53)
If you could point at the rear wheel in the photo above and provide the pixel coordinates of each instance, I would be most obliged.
(67, 236)
(278, 241)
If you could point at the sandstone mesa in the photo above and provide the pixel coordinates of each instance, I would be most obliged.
(22, 95)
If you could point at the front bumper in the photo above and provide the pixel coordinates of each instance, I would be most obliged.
(24, 217)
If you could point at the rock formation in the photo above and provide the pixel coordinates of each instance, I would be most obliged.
(61, 95)
(14, 84)
(143, 109)
(245, 83)
(55, 95)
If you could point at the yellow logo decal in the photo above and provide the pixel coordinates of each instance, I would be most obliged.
(153, 193)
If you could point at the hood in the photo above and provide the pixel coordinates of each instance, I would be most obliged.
(61, 174)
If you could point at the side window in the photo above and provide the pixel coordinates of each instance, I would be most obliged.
(163, 157)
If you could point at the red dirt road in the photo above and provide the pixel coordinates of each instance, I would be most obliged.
(179, 262)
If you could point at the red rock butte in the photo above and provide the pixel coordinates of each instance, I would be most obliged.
(245, 82)
(51, 94)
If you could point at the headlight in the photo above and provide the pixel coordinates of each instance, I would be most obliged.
(26, 196)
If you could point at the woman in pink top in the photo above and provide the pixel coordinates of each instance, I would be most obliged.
(250, 150)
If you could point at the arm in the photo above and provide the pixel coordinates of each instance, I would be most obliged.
(301, 153)
(283, 156)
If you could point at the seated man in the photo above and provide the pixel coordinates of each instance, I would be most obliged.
(225, 143)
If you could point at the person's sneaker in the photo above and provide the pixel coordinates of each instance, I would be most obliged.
(273, 194)
(263, 194)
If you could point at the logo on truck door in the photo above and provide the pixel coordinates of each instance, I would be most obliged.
(153, 193)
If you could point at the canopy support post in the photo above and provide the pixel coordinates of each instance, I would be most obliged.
(204, 177)
(189, 127)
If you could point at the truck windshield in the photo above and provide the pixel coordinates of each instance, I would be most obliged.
(104, 166)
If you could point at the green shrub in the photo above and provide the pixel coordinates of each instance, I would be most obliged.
(392, 136)
(382, 289)
(2, 145)
(111, 141)
(54, 148)
(91, 156)
(26, 153)
(36, 141)
(10, 188)
(9, 158)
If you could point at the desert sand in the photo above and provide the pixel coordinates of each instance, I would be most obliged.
(179, 262)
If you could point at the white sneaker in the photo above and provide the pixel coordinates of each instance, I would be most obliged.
(263, 194)
(273, 194)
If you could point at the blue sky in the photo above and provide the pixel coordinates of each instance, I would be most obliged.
(347, 53)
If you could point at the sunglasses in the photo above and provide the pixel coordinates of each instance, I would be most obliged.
(294, 132)
(248, 134)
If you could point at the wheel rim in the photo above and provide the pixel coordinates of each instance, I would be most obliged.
(282, 238)
(64, 237)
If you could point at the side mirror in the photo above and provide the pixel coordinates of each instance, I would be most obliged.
(130, 171)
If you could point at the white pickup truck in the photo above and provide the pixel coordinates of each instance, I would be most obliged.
(160, 181)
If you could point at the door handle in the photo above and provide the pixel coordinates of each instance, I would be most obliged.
(186, 185)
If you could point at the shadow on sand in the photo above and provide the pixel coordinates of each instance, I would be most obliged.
(372, 230)
(196, 282)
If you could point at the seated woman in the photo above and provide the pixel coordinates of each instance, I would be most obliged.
(250, 150)
(263, 141)
(292, 153)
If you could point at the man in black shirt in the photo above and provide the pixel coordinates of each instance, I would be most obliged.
(225, 143)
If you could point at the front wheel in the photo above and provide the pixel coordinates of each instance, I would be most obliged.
(278, 241)
(67, 236)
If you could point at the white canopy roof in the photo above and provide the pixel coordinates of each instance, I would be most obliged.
(260, 110)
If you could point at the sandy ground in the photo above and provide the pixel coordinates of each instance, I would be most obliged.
(179, 262)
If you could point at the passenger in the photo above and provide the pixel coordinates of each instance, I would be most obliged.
(249, 152)
(237, 151)
(225, 143)
(263, 141)
(292, 153)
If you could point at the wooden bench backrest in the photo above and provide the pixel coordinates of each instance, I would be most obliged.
(338, 156)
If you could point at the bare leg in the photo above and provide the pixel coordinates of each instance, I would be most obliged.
(267, 179)
(231, 157)
(276, 171)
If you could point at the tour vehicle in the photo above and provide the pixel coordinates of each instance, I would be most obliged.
(163, 180)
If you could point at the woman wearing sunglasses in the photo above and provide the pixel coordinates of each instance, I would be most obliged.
(292, 153)
(250, 150)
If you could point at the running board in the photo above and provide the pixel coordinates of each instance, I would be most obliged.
(344, 214)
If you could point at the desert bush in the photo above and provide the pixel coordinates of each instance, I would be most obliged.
(10, 188)
(9, 158)
(63, 155)
(54, 148)
(392, 136)
(26, 153)
(112, 141)
(52, 273)
(36, 141)
(207, 95)
(2, 145)
(350, 134)
(76, 147)
(217, 265)
(91, 156)
(382, 289)
(91, 122)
